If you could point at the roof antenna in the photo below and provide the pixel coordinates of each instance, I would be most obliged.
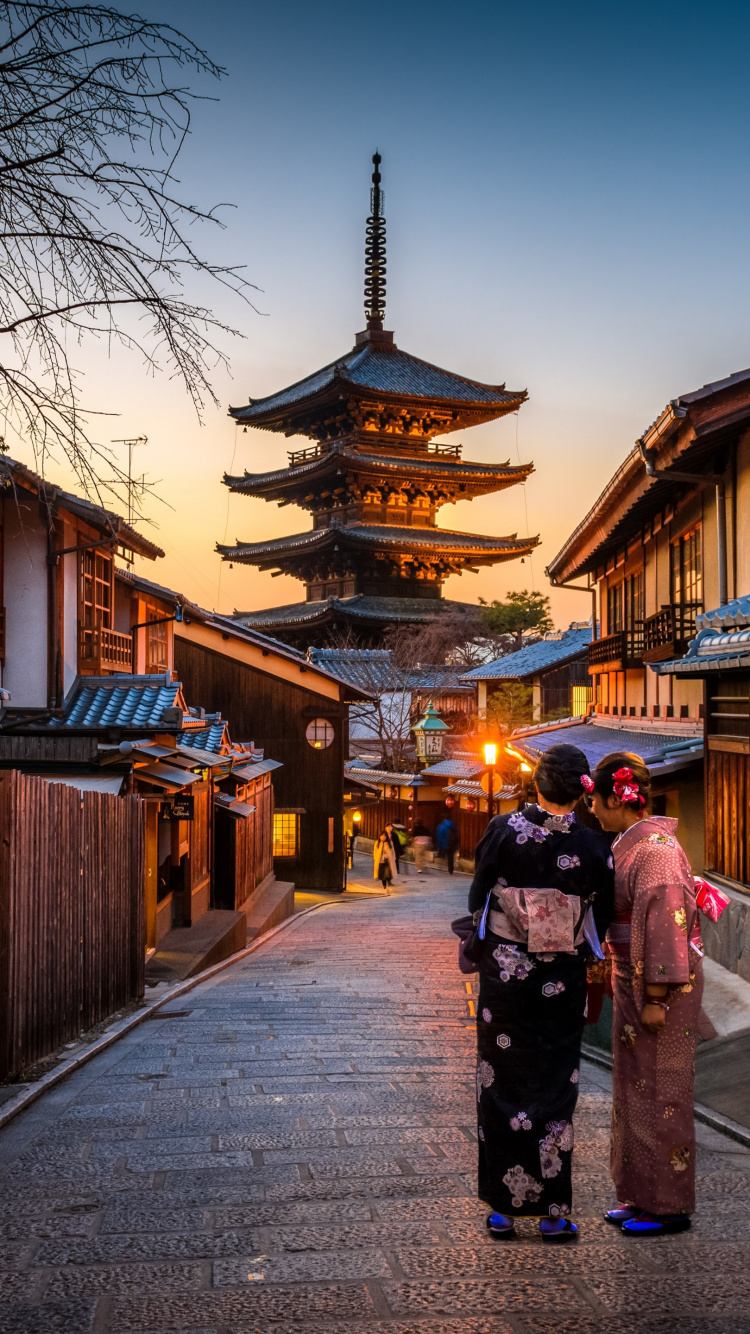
(375, 254)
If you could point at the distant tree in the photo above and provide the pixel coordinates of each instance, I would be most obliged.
(95, 107)
(513, 619)
(508, 707)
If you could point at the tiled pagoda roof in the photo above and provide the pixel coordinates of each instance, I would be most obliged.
(474, 477)
(381, 369)
(363, 537)
(359, 608)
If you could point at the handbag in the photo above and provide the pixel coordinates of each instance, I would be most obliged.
(471, 931)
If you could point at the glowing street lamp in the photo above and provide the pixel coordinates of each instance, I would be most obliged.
(490, 759)
(429, 734)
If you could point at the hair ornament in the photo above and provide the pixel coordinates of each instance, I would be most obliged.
(626, 789)
(587, 783)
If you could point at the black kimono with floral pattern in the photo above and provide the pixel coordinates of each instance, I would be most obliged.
(531, 1014)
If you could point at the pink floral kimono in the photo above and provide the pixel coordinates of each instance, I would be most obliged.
(654, 938)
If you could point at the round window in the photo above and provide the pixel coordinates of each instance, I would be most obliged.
(319, 734)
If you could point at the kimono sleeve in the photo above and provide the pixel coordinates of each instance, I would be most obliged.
(659, 916)
(487, 853)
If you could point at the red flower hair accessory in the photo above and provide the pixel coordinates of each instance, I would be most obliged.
(626, 789)
(587, 783)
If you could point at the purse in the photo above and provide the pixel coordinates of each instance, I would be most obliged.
(471, 931)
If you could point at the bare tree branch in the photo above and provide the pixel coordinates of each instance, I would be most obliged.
(95, 106)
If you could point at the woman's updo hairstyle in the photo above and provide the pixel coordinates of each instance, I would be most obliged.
(626, 775)
(558, 774)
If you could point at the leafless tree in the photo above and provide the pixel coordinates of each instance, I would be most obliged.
(95, 106)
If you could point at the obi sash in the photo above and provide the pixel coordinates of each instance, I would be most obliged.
(546, 921)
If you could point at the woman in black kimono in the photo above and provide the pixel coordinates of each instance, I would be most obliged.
(551, 885)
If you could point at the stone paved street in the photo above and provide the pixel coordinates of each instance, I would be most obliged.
(294, 1149)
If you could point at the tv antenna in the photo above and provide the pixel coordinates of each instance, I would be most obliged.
(136, 488)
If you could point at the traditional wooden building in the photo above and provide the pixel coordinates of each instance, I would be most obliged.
(374, 479)
(554, 668)
(666, 540)
(294, 710)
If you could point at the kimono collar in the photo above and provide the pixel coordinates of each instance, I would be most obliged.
(662, 824)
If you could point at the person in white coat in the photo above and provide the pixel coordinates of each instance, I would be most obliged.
(384, 860)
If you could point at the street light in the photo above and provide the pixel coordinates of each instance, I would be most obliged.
(490, 759)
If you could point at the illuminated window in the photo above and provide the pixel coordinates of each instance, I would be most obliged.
(157, 657)
(687, 573)
(285, 834)
(582, 697)
(319, 734)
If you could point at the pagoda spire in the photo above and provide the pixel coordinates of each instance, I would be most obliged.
(375, 254)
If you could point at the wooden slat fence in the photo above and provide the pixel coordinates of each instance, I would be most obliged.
(72, 932)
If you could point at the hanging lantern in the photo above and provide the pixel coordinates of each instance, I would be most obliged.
(471, 805)
(429, 734)
(450, 801)
(392, 793)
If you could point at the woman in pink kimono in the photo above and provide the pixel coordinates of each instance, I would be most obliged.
(657, 983)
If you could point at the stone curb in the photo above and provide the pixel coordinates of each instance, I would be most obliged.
(30, 1093)
(706, 1115)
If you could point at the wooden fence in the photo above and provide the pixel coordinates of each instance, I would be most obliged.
(72, 937)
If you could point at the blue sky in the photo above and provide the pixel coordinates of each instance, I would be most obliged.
(568, 198)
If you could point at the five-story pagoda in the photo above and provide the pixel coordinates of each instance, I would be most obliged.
(374, 479)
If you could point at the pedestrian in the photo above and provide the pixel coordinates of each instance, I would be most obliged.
(421, 839)
(657, 984)
(384, 860)
(547, 885)
(446, 837)
(397, 835)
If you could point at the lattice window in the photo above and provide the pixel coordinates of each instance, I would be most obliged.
(157, 643)
(96, 590)
(614, 609)
(687, 568)
(285, 834)
(319, 734)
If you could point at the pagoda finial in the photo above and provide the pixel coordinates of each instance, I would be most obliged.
(375, 253)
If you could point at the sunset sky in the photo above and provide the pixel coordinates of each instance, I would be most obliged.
(568, 202)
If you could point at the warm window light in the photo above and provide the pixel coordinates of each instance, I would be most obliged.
(490, 754)
(356, 816)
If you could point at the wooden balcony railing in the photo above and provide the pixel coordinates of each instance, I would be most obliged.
(616, 652)
(444, 451)
(101, 651)
(668, 632)
(296, 456)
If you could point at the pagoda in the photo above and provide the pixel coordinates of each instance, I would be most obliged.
(373, 479)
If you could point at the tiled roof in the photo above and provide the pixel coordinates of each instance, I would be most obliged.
(550, 651)
(734, 616)
(454, 769)
(357, 607)
(418, 465)
(722, 642)
(355, 770)
(120, 701)
(661, 751)
(387, 370)
(370, 668)
(210, 738)
(378, 535)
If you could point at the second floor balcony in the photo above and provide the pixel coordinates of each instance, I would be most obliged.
(668, 632)
(101, 651)
(617, 652)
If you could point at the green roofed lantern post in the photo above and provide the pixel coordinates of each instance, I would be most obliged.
(430, 734)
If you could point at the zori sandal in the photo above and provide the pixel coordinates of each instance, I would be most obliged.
(499, 1225)
(557, 1229)
(622, 1214)
(655, 1225)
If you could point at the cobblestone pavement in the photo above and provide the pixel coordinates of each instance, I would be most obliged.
(294, 1149)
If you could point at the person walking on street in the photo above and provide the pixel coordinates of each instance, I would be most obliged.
(397, 835)
(545, 885)
(657, 978)
(384, 868)
(421, 842)
(446, 837)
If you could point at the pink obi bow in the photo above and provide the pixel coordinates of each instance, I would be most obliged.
(710, 900)
(544, 919)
